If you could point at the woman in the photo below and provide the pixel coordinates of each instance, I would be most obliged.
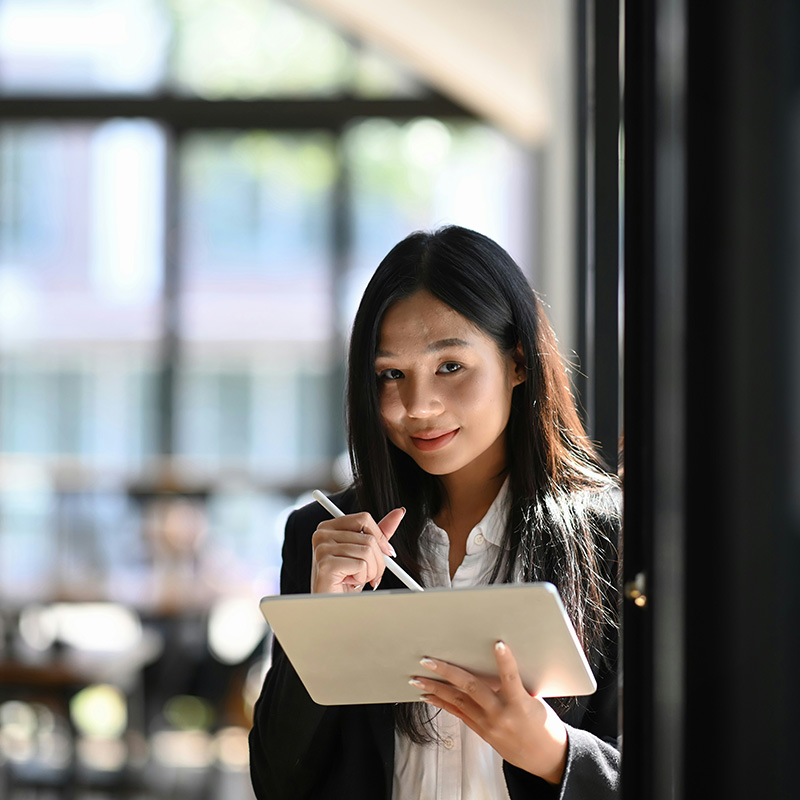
(466, 445)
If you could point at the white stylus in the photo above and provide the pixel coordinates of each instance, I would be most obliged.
(391, 565)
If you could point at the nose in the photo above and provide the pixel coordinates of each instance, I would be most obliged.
(421, 399)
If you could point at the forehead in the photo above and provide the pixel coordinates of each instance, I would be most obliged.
(420, 320)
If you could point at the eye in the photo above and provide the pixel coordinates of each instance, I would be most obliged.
(449, 367)
(389, 375)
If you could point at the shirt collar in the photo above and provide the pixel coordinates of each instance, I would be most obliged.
(495, 520)
(492, 526)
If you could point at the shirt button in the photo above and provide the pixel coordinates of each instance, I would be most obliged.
(448, 743)
(479, 538)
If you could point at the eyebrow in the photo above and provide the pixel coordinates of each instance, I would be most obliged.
(433, 347)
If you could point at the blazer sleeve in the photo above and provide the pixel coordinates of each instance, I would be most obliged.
(592, 770)
(292, 737)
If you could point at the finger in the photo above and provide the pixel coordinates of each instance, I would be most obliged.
(468, 684)
(325, 538)
(343, 571)
(438, 702)
(511, 686)
(360, 548)
(349, 543)
(384, 529)
(389, 524)
(340, 562)
(365, 522)
(449, 697)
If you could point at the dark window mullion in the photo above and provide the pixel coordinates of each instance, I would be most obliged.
(171, 298)
(342, 224)
(597, 221)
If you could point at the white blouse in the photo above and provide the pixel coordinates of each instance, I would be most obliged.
(461, 765)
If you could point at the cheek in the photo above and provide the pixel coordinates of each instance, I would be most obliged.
(388, 406)
(485, 395)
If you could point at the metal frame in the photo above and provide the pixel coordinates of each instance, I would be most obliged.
(712, 399)
(187, 112)
(598, 116)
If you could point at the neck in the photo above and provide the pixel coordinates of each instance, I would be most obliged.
(466, 500)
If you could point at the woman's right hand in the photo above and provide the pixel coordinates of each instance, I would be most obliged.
(348, 551)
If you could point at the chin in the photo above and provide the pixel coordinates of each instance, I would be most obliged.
(436, 466)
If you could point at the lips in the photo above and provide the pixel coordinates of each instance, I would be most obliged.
(433, 440)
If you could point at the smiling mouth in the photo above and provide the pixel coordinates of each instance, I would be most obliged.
(433, 440)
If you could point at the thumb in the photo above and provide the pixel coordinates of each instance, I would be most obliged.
(391, 522)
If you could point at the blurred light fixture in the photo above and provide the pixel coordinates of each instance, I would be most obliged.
(33, 733)
(253, 683)
(100, 711)
(38, 626)
(100, 754)
(98, 627)
(232, 749)
(182, 749)
(17, 731)
(235, 627)
(189, 713)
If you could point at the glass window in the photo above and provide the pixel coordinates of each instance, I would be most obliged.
(74, 46)
(256, 48)
(257, 301)
(206, 48)
(81, 244)
(425, 173)
(247, 48)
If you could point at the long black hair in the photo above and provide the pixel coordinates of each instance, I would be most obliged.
(562, 502)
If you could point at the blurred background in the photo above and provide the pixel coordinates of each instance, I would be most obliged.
(193, 194)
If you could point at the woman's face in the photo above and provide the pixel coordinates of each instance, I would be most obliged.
(444, 388)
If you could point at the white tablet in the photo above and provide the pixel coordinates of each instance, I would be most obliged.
(363, 647)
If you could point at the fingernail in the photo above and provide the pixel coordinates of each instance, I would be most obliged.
(427, 662)
(376, 585)
(427, 700)
(500, 647)
(394, 554)
(417, 684)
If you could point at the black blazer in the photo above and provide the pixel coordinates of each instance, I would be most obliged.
(300, 750)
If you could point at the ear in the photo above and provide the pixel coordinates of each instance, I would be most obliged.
(520, 366)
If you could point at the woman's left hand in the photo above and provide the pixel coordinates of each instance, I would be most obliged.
(523, 729)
